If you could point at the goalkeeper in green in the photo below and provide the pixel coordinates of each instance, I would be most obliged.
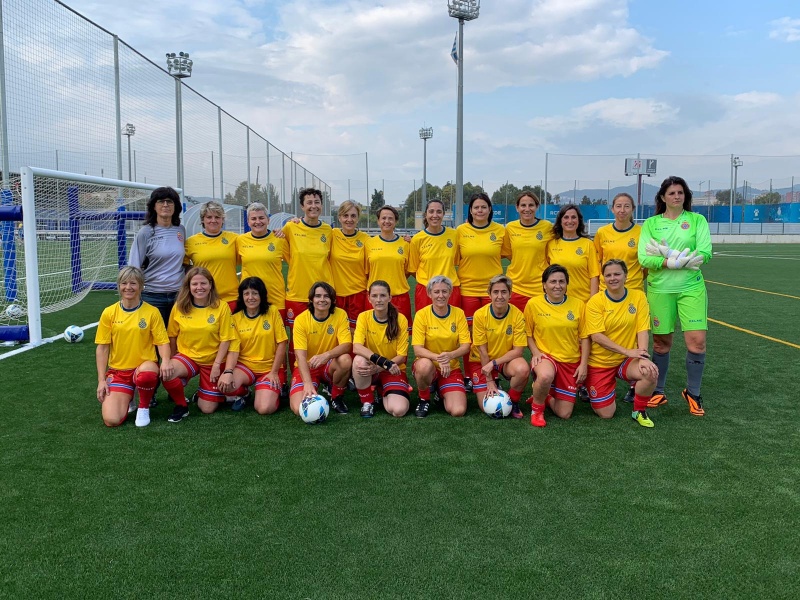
(674, 244)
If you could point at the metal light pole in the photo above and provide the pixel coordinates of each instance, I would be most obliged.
(425, 134)
(736, 164)
(180, 67)
(463, 10)
(129, 131)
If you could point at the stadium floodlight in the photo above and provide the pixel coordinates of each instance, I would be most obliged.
(129, 131)
(735, 163)
(463, 10)
(180, 67)
(425, 134)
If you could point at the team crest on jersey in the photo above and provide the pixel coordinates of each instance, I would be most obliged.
(656, 321)
(225, 241)
(142, 324)
(323, 239)
(593, 392)
(631, 243)
(579, 251)
(509, 331)
(539, 236)
(631, 309)
(330, 330)
(493, 237)
(271, 247)
(290, 314)
(399, 250)
(266, 326)
(359, 244)
(685, 225)
(453, 327)
(449, 243)
(211, 319)
(570, 315)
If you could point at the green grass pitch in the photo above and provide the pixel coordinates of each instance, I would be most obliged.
(238, 505)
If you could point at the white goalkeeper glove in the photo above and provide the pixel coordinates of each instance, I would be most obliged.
(653, 248)
(695, 262)
(679, 260)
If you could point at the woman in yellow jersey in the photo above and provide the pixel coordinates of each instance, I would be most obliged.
(381, 348)
(215, 250)
(262, 254)
(440, 337)
(480, 246)
(434, 251)
(571, 248)
(200, 333)
(127, 335)
(322, 348)
(556, 327)
(262, 349)
(620, 239)
(618, 323)
(348, 262)
(387, 259)
(498, 338)
(526, 245)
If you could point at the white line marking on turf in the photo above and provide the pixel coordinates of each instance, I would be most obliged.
(726, 255)
(27, 347)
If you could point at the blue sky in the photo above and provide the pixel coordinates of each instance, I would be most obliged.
(678, 80)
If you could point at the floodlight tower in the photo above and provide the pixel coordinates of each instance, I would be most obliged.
(463, 10)
(425, 134)
(736, 163)
(129, 131)
(180, 67)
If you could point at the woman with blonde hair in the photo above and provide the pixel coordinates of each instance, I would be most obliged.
(348, 262)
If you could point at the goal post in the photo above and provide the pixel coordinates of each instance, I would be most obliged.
(75, 234)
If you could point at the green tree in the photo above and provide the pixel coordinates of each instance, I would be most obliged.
(586, 200)
(377, 201)
(257, 194)
(537, 189)
(769, 198)
(505, 194)
(724, 197)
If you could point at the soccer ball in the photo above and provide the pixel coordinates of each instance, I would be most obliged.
(73, 334)
(314, 409)
(14, 311)
(497, 405)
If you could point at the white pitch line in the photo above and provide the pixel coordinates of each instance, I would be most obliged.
(726, 255)
(27, 347)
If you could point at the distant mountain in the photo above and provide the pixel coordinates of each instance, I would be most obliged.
(648, 193)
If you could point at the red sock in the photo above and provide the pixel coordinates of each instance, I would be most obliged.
(365, 395)
(425, 395)
(175, 388)
(146, 382)
(640, 402)
(514, 395)
(337, 391)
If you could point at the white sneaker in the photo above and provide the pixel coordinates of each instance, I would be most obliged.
(143, 417)
(133, 404)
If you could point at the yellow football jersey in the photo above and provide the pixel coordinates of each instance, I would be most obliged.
(263, 257)
(217, 253)
(371, 334)
(309, 254)
(526, 246)
(480, 250)
(348, 262)
(499, 335)
(316, 337)
(434, 254)
(132, 334)
(619, 320)
(580, 259)
(440, 334)
(557, 329)
(200, 332)
(388, 261)
(259, 338)
(610, 242)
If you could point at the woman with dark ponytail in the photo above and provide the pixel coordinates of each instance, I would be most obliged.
(380, 345)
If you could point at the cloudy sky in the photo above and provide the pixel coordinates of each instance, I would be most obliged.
(673, 80)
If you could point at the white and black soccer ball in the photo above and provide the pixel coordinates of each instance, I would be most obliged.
(314, 409)
(14, 311)
(497, 405)
(73, 334)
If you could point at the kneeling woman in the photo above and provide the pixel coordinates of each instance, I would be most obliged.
(440, 337)
(262, 348)
(618, 323)
(498, 338)
(201, 330)
(556, 328)
(322, 345)
(381, 348)
(127, 335)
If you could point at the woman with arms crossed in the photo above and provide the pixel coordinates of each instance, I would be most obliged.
(381, 348)
(127, 335)
(676, 289)
(434, 251)
(348, 262)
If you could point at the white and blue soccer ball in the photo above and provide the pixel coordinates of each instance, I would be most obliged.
(73, 334)
(314, 409)
(497, 405)
(14, 311)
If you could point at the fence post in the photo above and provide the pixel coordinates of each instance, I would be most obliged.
(219, 136)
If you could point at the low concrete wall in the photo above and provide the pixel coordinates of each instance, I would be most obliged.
(754, 239)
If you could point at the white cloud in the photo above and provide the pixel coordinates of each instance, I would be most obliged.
(623, 113)
(785, 29)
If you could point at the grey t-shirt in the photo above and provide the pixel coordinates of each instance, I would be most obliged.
(161, 251)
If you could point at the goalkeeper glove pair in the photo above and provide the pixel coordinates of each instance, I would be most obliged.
(675, 259)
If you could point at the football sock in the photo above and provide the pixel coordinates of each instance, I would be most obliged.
(175, 390)
(695, 363)
(337, 390)
(146, 382)
(640, 403)
(662, 362)
(365, 395)
(425, 395)
(514, 395)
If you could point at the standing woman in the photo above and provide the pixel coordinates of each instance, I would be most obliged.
(158, 250)
(127, 335)
(498, 339)
(262, 254)
(434, 251)
(526, 245)
(348, 262)
(676, 289)
(440, 338)
(556, 328)
(618, 323)
(381, 348)
(200, 332)
(215, 250)
(387, 260)
(571, 248)
(480, 246)
(262, 349)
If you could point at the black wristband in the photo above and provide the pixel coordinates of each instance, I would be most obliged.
(384, 363)
(228, 371)
(375, 358)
